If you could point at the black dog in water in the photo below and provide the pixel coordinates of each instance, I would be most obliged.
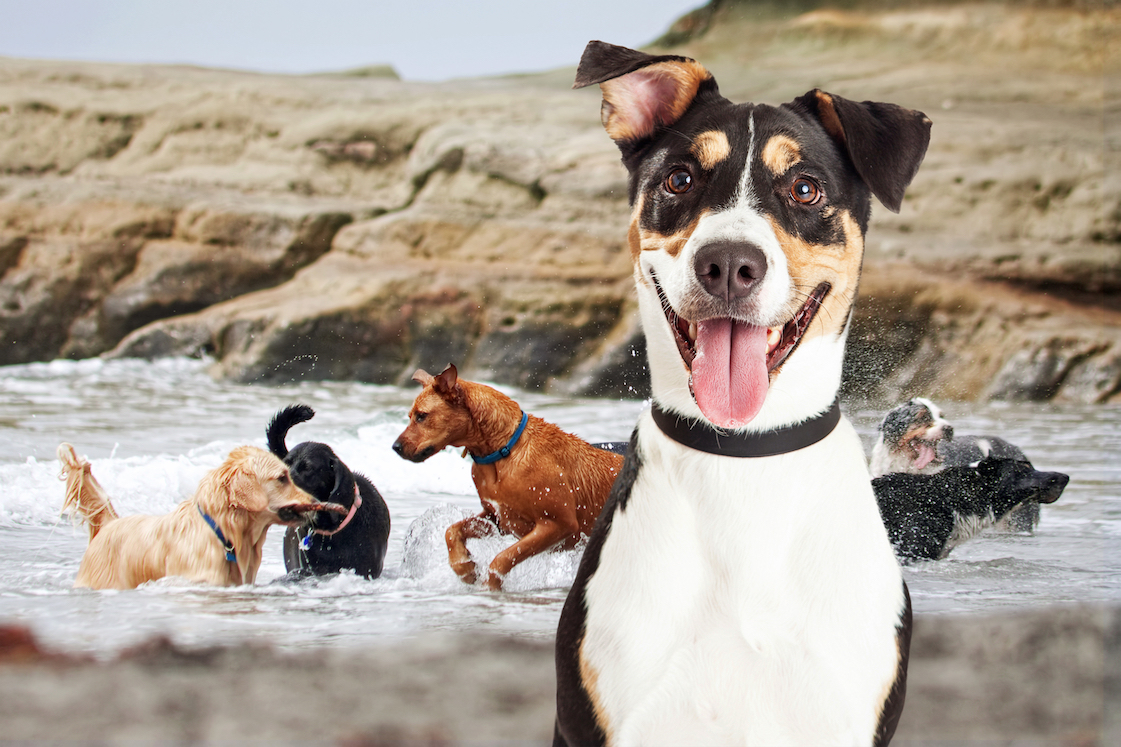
(915, 438)
(357, 540)
(928, 515)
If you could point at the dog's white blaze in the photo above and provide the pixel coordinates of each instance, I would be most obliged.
(742, 222)
(745, 195)
(935, 411)
(745, 629)
(737, 224)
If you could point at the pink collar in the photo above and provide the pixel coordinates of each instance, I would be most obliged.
(350, 515)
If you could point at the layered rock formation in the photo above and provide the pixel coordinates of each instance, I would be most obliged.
(297, 227)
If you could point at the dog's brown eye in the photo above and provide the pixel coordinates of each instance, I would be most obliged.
(805, 192)
(679, 182)
(283, 479)
(420, 416)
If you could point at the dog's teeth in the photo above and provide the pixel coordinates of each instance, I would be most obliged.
(692, 331)
(774, 337)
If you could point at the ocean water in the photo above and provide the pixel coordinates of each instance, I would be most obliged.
(152, 429)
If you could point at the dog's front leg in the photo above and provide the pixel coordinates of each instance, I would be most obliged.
(544, 535)
(456, 537)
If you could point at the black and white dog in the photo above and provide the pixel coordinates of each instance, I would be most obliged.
(914, 438)
(740, 587)
(356, 541)
(928, 515)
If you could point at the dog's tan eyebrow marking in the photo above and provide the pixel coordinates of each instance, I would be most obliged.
(710, 148)
(780, 153)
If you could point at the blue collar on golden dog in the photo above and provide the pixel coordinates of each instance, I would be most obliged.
(226, 544)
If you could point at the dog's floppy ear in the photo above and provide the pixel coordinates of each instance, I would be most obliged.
(886, 143)
(246, 492)
(641, 92)
(241, 483)
(337, 495)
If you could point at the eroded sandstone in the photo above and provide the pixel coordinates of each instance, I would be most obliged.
(354, 227)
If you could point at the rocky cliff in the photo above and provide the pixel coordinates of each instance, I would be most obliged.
(318, 227)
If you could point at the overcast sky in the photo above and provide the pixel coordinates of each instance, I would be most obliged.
(421, 39)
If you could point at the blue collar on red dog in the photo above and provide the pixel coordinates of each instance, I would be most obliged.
(226, 544)
(504, 452)
(713, 440)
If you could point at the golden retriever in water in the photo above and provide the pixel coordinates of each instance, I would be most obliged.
(214, 537)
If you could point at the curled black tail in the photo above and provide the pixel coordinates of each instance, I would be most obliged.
(281, 422)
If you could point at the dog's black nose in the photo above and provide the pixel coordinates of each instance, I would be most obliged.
(729, 270)
(398, 447)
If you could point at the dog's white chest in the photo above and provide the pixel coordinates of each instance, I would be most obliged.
(744, 601)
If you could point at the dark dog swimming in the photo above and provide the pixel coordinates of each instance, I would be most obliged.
(357, 540)
(927, 516)
(916, 439)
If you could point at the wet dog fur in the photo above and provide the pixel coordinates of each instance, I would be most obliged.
(928, 515)
(244, 496)
(914, 438)
(360, 544)
(547, 492)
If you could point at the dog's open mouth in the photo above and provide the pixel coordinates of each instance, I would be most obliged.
(305, 512)
(730, 362)
(922, 452)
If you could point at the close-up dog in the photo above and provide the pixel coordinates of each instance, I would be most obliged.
(740, 587)
(915, 438)
(928, 515)
(356, 541)
(536, 482)
(214, 537)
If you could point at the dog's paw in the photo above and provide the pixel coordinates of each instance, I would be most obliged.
(494, 581)
(466, 571)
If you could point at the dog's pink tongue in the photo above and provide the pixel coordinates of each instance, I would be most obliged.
(924, 454)
(730, 371)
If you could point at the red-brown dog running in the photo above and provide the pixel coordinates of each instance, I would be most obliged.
(536, 482)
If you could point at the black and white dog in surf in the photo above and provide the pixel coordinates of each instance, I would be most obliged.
(740, 588)
(356, 541)
(928, 515)
(914, 438)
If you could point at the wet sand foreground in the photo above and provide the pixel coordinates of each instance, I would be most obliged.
(1040, 677)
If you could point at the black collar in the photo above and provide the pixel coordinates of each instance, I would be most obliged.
(708, 438)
